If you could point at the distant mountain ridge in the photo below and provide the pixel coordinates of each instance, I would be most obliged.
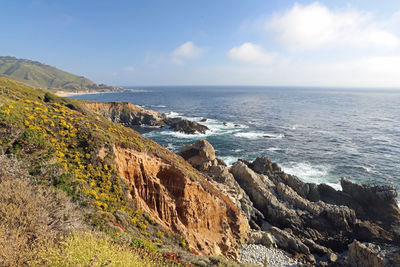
(47, 77)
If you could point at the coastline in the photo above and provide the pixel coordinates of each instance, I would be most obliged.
(69, 94)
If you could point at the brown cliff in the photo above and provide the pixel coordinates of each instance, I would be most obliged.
(180, 199)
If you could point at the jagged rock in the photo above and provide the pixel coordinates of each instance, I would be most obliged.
(200, 155)
(186, 126)
(361, 255)
(261, 238)
(326, 220)
(287, 242)
(315, 248)
(379, 202)
(132, 116)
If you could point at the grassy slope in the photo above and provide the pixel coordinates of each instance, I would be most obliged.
(58, 141)
(44, 76)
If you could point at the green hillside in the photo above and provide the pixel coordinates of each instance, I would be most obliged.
(47, 77)
(65, 199)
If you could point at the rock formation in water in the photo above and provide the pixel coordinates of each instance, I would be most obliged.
(304, 219)
(132, 116)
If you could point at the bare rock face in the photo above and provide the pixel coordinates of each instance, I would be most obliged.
(186, 126)
(181, 200)
(378, 202)
(126, 113)
(132, 116)
(201, 155)
(371, 255)
(301, 218)
(325, 219)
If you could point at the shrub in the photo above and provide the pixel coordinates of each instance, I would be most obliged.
(90, 249)
(29, 214)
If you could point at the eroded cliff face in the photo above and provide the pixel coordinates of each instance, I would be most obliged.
(126, 113)
(180, 199)
(132, 116)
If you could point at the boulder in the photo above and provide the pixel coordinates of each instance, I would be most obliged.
(373, 255)
(261, 238)
(288, 242)
(200, 155)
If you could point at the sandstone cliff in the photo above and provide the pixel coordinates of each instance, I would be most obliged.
(183, 201)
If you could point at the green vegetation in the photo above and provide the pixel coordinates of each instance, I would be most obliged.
(62, 202)
(45, 76)
(52, 145)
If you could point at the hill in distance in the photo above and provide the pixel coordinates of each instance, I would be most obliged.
(47, 77)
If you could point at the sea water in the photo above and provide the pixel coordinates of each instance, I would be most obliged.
(317, 134)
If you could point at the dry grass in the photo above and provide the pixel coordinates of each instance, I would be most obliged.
(95, 250)
(29, 214)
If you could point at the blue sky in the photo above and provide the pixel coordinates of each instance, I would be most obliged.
(304, 43)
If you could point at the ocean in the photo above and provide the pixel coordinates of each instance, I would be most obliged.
(317, 134)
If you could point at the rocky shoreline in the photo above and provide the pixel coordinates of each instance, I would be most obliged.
(315, 224)
(310, 224)
(133, 116)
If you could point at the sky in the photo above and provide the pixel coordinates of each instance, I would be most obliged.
(341, 43)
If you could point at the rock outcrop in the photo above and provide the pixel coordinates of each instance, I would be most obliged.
(201, 155)
(181, 199)
(132, 116)
(372, 255)
(301, 218)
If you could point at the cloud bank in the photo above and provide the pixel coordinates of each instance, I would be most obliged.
(316, 26)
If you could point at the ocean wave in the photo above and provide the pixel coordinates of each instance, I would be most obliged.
(150, 126)
(229, 160)
(171, 147)
(364, 168)
(173, 114)
(184, 135)
(273, 149)
(158, 106)
(258, 135)
(311, 173)
(382, 138)
(138, 91)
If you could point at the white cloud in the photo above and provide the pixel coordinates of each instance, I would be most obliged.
(251, 53)
(315, 26)
(374, 71)
(186, 51)
(129, 69)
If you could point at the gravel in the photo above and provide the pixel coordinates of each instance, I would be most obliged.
(255, 254)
